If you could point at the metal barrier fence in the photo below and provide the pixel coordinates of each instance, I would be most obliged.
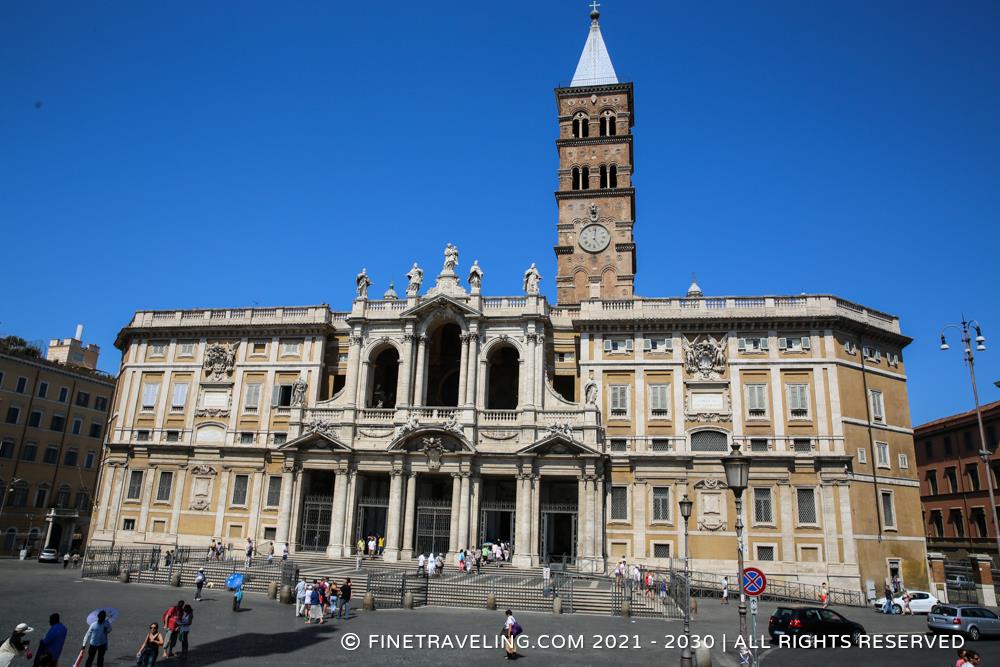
(709, 585)
(665, 596)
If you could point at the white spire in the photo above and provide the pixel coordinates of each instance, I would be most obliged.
(594, 68)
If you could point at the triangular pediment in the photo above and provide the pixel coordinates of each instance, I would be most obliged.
(437, 302)
(316, 440)
(559, 444)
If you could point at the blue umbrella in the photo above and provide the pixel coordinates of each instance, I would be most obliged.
(111, 613)
(234, 581)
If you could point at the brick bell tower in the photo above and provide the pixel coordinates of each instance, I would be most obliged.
(595, 254)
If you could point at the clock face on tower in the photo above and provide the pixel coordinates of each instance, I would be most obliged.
(594, 238)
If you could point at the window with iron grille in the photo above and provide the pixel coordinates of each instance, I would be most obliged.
(659, 400)
(619, 400)
(798, 401)
(661, 550)
(246, 438)
(759, 445)
(166, 483)
(765, 552)
(661, 445)
(619, 503)
(806, 502)
(240, 489)
(756, 401)
(134, 485)
(661, 503)
(888, 512)
(273, 491)
(709, 441)
(763, 509)
(619, 445)
(802, 445)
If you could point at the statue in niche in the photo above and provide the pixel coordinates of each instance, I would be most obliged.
(590, 390)
(416, 278)
(299, 388)
(532, 279)
(363, 283)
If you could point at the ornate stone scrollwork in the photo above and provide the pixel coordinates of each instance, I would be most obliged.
(199, 503)
(534, 338)
(355, 339)
(411, 424)
(434, 450)
(451, 424)
(705, 358)
(211, 412)
(560, 428)
(220, 358)
(321, 426)
(202, 470)
(708, 416)
(467, 338)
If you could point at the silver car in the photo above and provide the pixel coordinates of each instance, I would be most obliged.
(970, 620)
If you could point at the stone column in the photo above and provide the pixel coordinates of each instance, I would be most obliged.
(353, 367)
(938, 579)
(456, 497)
(409, 516)
(463, 513)
(528, 370)
(108, 482)
(363, 388)
(393, 516)
(338, 515)
(522, 522)
(351, 509)
(535, 491)
(598, 549)
(285, 507)
(420, 371)
(582, 491)
(472, 383)
(474, 493)
(463, 371)
(405, 371)
(982, 574)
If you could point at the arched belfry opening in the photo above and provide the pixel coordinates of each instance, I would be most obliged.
(384, 379)
(503, 366)
(444, 362)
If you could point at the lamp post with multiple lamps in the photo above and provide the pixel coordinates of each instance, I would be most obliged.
(687, 658)
(737, 467)
(970, 361)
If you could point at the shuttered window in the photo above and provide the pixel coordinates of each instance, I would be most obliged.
(878, 406)
(240, 489)
(134, 485)
(179, 397)
(756, 401)
(273, 491)
(619, 400)
(798, 401)
(252, 402)
(659, 400)
(150, 390)
(163, 488)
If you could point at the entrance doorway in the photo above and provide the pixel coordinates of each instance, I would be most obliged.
(559, 521)
(496, 511)
(372, 510)
(316, 512)
(433, 525)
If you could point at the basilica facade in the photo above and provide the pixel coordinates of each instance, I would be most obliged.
(445, 417)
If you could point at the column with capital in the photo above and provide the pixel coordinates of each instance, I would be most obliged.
(405, 371)
(338, 515)
(353, 366)
(420, 372)
(474, 499)
(463, 370)
(285, 507)
(473, 358)
(409, 516)
(522, 521)
(350, 513)
(528, 386)
(456, 497)
(588, 525)
(535, 494)
(463, 513)
(393, 516)
(598, 548)
(581, 518)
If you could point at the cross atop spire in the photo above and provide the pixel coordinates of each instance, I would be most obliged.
(594, 68)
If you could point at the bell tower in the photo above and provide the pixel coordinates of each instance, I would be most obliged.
(595, 253)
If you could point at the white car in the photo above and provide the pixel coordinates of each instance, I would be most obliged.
(920, 602)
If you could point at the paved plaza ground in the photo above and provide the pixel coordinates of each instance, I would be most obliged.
(266, 632)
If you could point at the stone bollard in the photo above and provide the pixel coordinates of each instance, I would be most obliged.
(175, 579)
(703, 657)
(123, 577)
(557, 605)
(286, 594)
(272, 590)
(491, 601)
(369, 602)
(407, 600)
(626, 608)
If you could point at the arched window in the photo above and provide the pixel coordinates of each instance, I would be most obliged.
(604, 176)
(709, 441)
(503, 366)
(384, 376)
(581, 126)
(576, 178)
(444, 359)
(613, 176)
(585, 178)
(608, 128)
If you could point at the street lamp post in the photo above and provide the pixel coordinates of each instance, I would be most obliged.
(737, 467)
(970, 361)
(687, 658)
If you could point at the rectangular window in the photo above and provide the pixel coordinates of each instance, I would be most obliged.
(77, 425)
(952, 476)
(947, 446)
(661, 503)
(756, 401)
(565, 356)
(806, 504)
(657, 344)
(142, 435)
(246, 438)
(7, 449)
(83, 399)
(661, 550)
(888, 512)
(150, 390)
(157, 349)
(619, 445)
(871, 353)
(240, 489)
(862, 455)
(659, 400)
(57, 423)
(173, 436)
(101, 403)
(185, 349)
(13, 414)
(290, 347)
(892, 358)
(661, 445)
(51, 455)
(258, 349)
(619, 503)
(273, 491)
(882, 454)
(82, 501)
(280, 438)
(88, 460)
(753, 344)
(794, 343)
(70, 458)
(29, 451)
(41, 495)
(281, 395)
(252, 402)
(759, 445)
(850, 347)
(95, 430)
(967, 439)
(763, 509)
(43, 389)
(22, 384)
(164, 486)
(179, 398)
(904, 461)
(63, 394)
(619, 400)
(932, 483)
(878, 406)
(34, 418)
(128, 524)
(134, 485)
(765, 552)
(270, 533)
(618, 344)
(972, 472)
(802, 445)
(798, 401)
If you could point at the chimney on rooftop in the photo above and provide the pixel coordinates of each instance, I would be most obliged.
(79, 332)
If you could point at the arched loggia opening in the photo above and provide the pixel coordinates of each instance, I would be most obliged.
(384, 378)
(444, 362)
(503, 366)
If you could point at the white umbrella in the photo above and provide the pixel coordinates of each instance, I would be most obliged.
(111, 613)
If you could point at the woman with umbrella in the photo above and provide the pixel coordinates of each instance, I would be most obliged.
(95, 642)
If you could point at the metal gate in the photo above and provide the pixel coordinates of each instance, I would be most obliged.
(549, 513)
(367, 507)
(314, 528)
(433, 529)
(499, 507)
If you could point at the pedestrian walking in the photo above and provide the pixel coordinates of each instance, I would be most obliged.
(16, 644)
(381, 544)
(300, 597)
(906, 604)
(334, 598)
(249, 552)
(511, 629)
(76, 559)
(199, 583)
(372, 545)
(345, 599)
(887, 605)
(824, 595)
(172, 622)
(150, 647)
(546, 580)
(237, 598)
(95, 641)
(431, 566)
(307, 603)
(187, 620)
(479, 562)
(51, 646)
(421, 564)
(284, 552)
(65, 560)
(315, 605)
(725, 590)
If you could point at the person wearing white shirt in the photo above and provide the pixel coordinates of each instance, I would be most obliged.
(300, 597)
(421, 563)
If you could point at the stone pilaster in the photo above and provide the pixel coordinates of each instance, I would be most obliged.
(338, 515)
(982, 575)
(393, 515)
(409, 516)
(420, 373)
(463, 512)
(938, 578)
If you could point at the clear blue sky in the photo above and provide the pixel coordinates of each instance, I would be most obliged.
(224, 154)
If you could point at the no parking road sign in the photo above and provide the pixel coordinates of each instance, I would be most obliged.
(754, 581)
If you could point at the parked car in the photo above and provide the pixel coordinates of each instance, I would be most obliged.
(921, 602)
(814, 621)
(48, 556)
(960, 581)
(970, 620)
